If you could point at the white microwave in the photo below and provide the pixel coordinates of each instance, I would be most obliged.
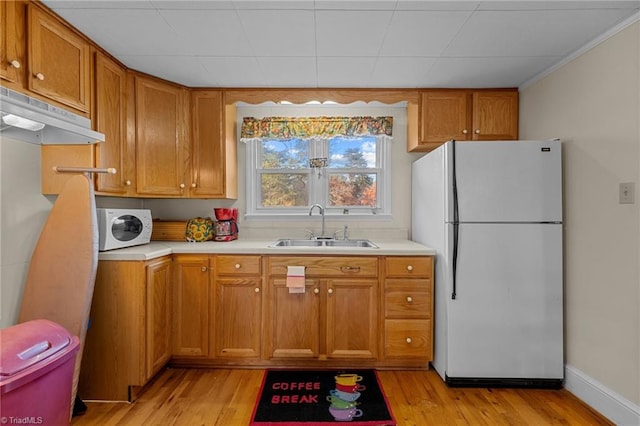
(118, 228)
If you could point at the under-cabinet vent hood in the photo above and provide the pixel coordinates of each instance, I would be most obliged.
(31, 120)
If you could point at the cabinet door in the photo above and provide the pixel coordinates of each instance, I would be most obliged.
(59, 61)
(11, 63)
(161, 149)
(191, 306)
(444, 116)
(111, 86)
(158, 322)
(238, 316)
(495, 115)
(352, 318)
(294, 330)
(208, 149)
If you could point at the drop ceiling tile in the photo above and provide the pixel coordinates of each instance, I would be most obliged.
(436, 5)
(486, 72)
(208, 32)
(279, 33)
(98, 4)
(355, 5)
(345, 72)
(233, 71)
(273, 4)
(558, 5)
(130, 32)
(193, 4)
(288, 72)
(185, 70)
(401, 72)
(531, 33)
(351, 33)
(421, 33)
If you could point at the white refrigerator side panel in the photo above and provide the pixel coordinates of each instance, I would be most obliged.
(506, 320)
(428, 227)
(507, 181)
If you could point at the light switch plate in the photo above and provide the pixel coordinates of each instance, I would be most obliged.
(627, 193)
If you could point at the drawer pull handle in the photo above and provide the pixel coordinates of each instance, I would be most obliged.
(237, 266)
(316, 291)
(257, 290)
(128, 183)
(39, 76)
(330, 291)
(203, 269)
(409, 340)
(409, 268)
(350, 268)
(409, 299)
(15, 63)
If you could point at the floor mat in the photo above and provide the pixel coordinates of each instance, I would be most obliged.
(321, 397)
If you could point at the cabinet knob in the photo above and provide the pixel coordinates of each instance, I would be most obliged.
(257, 289)
(409, 299)
(316, 290)
(330, 291)
(193, 185)
(203, 269)
(237, 266)
(477, 131)
(39, 76)
(128, 183)
(409, 268)
(182, 186)
(409, 340)
(465, 131)
(15, 63)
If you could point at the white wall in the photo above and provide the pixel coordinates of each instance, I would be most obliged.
(23, 212)
(593, 104)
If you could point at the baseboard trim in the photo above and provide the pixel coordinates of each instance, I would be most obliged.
(610, 404)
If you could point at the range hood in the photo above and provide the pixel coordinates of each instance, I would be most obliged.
(31, 120)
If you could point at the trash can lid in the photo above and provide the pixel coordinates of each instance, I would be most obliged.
(28, 343)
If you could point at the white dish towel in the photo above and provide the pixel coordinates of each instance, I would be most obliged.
(295, 279)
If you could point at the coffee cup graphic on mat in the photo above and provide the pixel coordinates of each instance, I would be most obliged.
(345, 414)
(346, 396)
(350, 388)
(347, 379)
(340, 403)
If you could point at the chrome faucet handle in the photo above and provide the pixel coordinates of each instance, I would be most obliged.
(344, 233)
(310, 234)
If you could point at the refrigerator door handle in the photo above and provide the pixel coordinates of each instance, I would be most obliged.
(456, 217)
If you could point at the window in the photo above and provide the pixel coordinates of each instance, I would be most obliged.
(290, 167)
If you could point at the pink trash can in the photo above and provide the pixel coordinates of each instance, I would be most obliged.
(36, 373)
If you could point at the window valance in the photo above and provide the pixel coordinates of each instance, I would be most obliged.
(314, 127)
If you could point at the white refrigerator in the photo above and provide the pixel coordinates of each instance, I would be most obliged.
(493, 213)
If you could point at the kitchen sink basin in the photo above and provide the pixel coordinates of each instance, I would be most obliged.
(291, 242)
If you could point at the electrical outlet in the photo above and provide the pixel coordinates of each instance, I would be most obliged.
(627, 193)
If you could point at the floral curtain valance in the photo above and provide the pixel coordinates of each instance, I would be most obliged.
(314, 127)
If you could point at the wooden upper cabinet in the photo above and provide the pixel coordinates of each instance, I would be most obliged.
(495, 115)
(111, 119)
(465, 115)
(161, 144)
(12, 61)
(207, 147)
(59, 61)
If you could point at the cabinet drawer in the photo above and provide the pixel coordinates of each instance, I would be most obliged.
(408, 300)
(338, 266)
(408, 339)
(407, 266)
(237, 265)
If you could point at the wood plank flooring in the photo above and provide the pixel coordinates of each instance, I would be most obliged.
(225, 397)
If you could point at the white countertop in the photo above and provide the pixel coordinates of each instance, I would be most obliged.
(247, 246)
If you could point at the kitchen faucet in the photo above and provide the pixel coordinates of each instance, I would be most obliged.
(321, 209)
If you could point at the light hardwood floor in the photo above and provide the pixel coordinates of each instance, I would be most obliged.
(225, 397)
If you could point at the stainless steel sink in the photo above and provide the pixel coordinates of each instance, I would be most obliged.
(292, 242)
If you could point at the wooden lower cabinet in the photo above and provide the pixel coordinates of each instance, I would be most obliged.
(408, 309)
(237, 307)
(191, 299)
(336, 316)
(128, 338)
